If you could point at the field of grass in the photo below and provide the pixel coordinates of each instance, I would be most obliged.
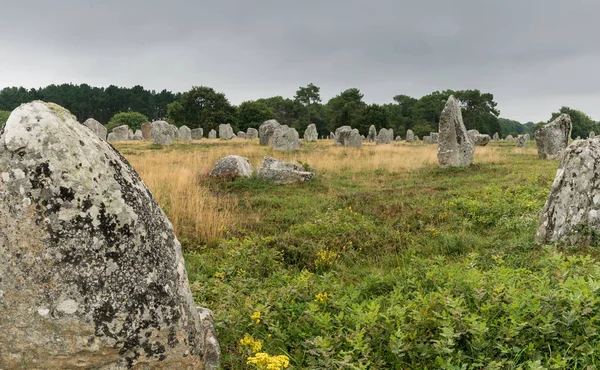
(384, 261)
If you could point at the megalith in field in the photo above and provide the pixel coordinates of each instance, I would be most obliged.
(138, 135)
(232, 166)
(120, 133)
(372, 134)
(385, 136)
(310, 134)
(285, 139)
(252, 133)
(266, 131)
(455, 148)
(162, 133)
(496, 137)
(96, 127)
(212, 134)
(553, 138)
(283, 173)
(184, 133)
(434, 137)
(592, 135)
(482, 139)
(146, 127)
(91, 273)
(572, 211)
(521, 141)
(226, 132)
(410, 136)
(197, 134)
(510, 138)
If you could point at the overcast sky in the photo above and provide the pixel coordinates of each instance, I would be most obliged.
(533, 55)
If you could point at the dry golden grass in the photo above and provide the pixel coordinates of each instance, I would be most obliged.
(176, 174)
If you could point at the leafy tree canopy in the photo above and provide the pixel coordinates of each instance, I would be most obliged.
(134, 120)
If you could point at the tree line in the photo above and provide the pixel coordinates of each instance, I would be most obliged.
(204, 107)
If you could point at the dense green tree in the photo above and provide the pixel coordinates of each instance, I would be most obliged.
(286, 110)
(479, 111)
(253, 113)
(512, 127)
(308, 101)
(373, 115)
(3, 117)
(423, 128)
(134, 120)
(345, 109)
(202, 107)
(582, 123)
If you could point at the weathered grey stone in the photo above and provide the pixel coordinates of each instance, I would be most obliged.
(553, 138)
(482, 139)
(111, 138)
(232, 166)
(521, 141)
(226, 132)
(372, 134)
(146, 127)
(92, 275)
(385, 136)
(285, 139)
(410, 136)
(283, 173)
(398, 138)
(212, 134)
(496, 137)
(427, 139)
(578, 138)
(311, 133)
(572, 212)
(241, 135)
(331, 136)
(96, 127)
(120, 133)
(472, 135)
(592, 135)
(342, 133)
(184, 133)
(510, 138)
(252, 133)
(455, 148)
(353, 140)
(197, 133)
(266, 131)
(130, 134)
(162, 133)
(138, 135)
(434, 137)
(527, 137)
(174, 130)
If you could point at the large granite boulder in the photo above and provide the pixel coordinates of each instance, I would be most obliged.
(120, 133)
(232, 166)
(252, 133)
(434, 137)
(385, 136)
(311, 134)
(226, 132)
(455, 148)
(138, 135)
(266, 131)
(96, 127)
(146, 127)
(496, 137)
(340, 134)
(162, 133)
(410, 136)
(92, 275)
(572, 212)
(197, 134)
(241, 135)
(427, 139)
(510, 138)
(212, 134)
(184, 133)
(372, 134)
(521, 141)
(553, 138)
(285, 139)
(482, 139)
(348, 137)
(283, 173)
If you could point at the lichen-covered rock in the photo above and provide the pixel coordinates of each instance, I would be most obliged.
(572, 211)
(482, 139)
(521, 141)
(130, 134)
(348, 137)
(434, 137)
(341, 134)
(510, 138)
(174, 129)
(146, 127)
(385, 136)
(96, 127)
(427, 139)
(331, 136)
(410, 136)
(283, 173)
(398, 138)
(91, 273)
(285, 139)
(184, 133)
(162, 133)
(527, 137)
(372, 134)
(496, 137)
(472, 135)
(241, 135)
(455, 148)
(252, 133)
(266, 131)
(553, 138)
(226, 132)
(311, 134)
(212, 134)
(120, 133)
(197, 134)
(138, 135)
(232, 166)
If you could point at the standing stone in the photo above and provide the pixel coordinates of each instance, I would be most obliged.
(226, 132)
(385, 136)
(410, 136)
(527, 138)
(285, 139)
(592, 134)
(130, 134)
(252, 133)
(120, 133)
(398, 138)
(553, 138)
(510, 138)
(92, 275)
(138, 135)
(283, 173)
(310, 134)
(162, 133)
(572, 212)
(354, 140)
(482, 139)
(455, 148)
(434, 137)
(266, 130)
(146, 127)
(212, 134)
(341, 134)
(521, 141)
(184, 133)
(427, 139)
(232, 166)
(372, 134)
(96, 127)
(241, 135)
(331, 136)
(197, 134)
(111, 138)
(473, 135)
(496, 137)
(578, 138)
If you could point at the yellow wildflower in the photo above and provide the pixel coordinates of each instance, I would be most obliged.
(321, 297)
(256, 317)
(248, 341)
(265, 362)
